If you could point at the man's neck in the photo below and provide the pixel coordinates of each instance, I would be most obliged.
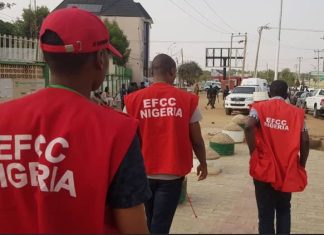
(75, 84)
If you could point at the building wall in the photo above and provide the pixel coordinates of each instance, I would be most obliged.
(133, 28)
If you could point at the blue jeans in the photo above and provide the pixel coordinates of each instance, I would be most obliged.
(270, 201)
(161, 207)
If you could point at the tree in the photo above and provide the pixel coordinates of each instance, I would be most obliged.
(31, 22)
(287, 76)
(205, 75)
(190, 72)
(7, 28)
(267, 74)
(119, 40)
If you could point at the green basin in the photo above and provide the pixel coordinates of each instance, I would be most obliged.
(222, 149)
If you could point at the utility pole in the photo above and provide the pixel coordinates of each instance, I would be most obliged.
(318, 61)
(255, 74)
(230, 57)
(278, 50)
(181, 55)
(299, 63)
(231, 49)
(244, 54)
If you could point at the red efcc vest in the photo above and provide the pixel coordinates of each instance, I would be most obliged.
(58, 155)
(275, 159)
(164, 113)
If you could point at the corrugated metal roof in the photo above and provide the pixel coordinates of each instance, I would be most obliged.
(127, 8)
(88, 7)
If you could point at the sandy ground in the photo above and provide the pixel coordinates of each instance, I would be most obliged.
(225, 202)
(216, 118)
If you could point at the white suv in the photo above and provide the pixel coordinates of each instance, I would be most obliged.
(240, 99)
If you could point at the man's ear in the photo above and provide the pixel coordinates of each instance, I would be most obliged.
(100, 59)
(173, 72)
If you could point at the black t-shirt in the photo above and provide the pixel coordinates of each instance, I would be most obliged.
(129, 187)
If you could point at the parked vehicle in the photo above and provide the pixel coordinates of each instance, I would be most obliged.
(207, 84)
(258, 82)
(295, 96)
(315, 103)
(240, 99)
(301, 100)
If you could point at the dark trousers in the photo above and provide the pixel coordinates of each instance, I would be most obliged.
(271, 202)
(211, 102)
(161, 207)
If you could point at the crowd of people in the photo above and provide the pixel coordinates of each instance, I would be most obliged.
(68, 165)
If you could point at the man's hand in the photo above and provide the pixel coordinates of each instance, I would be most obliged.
(250, 125)
(131, 220)
(198, 146)
(202, 171)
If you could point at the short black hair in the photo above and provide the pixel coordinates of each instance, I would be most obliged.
(63, 63)
(279, 88)
(163, 64)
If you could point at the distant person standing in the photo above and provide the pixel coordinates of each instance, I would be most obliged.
(276, 135)
(196, 89)
(209, 91)
(211, 95)
(225, 92)
(122, 93)
(142, 85)
(132, 87)
(170, 130)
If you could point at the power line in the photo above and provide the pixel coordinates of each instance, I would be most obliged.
(193, 42)
(199, 13)
(301, 30)
(213, 10)
(191, 16)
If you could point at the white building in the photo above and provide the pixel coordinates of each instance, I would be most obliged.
(133, 20)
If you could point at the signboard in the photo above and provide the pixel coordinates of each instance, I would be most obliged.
(314, 74)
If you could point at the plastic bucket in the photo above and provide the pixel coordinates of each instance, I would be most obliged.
(222, 149)
(183, 194)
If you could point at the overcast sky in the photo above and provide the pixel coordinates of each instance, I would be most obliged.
(195, 25)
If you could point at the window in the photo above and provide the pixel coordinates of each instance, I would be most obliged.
(244, 90)
(321, 92)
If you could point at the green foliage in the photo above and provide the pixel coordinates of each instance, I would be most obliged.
(31, 21)
(267, 74)
(119, 40)
(287, 76)
(190, 72)
(205, 75)
(7, 28)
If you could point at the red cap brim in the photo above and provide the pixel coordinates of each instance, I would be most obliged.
(114, 51)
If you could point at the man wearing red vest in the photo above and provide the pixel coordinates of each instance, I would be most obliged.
(169, 126)
(68, 165)
(276, 134)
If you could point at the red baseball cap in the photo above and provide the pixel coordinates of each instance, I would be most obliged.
(81, 32)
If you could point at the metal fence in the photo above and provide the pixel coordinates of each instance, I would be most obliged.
(114, 80)
(13, 48)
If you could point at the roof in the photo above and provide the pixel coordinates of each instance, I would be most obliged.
(127, 8)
